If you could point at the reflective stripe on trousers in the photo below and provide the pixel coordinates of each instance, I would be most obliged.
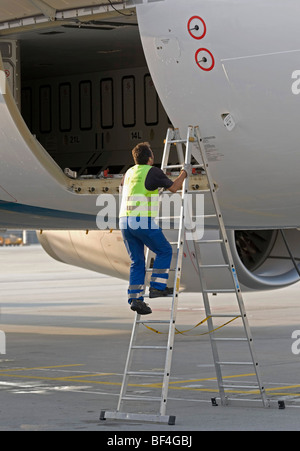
(135, 292)
(150, 235)
(159, 278)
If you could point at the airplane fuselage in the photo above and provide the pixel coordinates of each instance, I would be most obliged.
(231, 68)
(209, 59)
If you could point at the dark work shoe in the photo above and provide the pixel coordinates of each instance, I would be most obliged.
(154, 293)
(140, 307)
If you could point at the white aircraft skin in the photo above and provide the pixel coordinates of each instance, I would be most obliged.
(252, 51)
(209, 59)
(253, 44)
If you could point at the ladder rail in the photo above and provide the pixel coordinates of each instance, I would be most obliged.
(172, 135)
(172, 138)
(178, 271)
(233, 272)
(210, 324)
(128, 362)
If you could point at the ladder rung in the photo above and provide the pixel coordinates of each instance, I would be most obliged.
(229, 339)
(235, 363)
(149, 347)
(145, 373)
(195, 191)
(214, 266)
(174, 141)
(254, 387)
(219, 291)
(151, 269)
(167, 217)
(153, 321)
(146, 296)
(209, 241)
(205, 216)
(226, 315)
(172, 166)
(140, 398)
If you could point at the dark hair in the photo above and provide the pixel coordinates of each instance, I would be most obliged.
(141, 153)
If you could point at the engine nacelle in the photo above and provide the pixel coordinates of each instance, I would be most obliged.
(100, 251)
(262, 258)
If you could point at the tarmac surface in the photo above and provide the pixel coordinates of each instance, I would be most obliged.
(67, 333)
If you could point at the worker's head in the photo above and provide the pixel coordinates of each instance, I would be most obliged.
(142, 154)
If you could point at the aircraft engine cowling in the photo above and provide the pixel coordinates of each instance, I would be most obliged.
(99, 251)
(262, 259)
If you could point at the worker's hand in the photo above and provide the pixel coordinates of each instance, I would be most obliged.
(188, 169)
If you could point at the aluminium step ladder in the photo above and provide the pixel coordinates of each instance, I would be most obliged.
(160, 415)
(193, 139)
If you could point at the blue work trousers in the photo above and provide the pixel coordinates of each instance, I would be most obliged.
(135, 238)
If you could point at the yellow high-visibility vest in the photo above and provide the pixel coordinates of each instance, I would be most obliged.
(136, 200)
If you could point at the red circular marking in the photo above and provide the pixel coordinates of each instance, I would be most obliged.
(189, 27)
(212, 60)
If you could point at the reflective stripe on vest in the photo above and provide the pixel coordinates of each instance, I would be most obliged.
(136, 200)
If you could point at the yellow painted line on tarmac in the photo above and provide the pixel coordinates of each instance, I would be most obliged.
(88, 375)
(41, 367)
(212, 378)
(60, 379)
(286, 387)
(189, 381)
(286, 394)
(174, 385)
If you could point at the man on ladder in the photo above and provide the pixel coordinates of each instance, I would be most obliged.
(139, 208)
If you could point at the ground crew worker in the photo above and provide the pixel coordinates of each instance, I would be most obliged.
(138, 209)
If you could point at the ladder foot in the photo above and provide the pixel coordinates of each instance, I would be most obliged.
(102, 415)
(172, 420)
(214, 402)
(123, 416)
